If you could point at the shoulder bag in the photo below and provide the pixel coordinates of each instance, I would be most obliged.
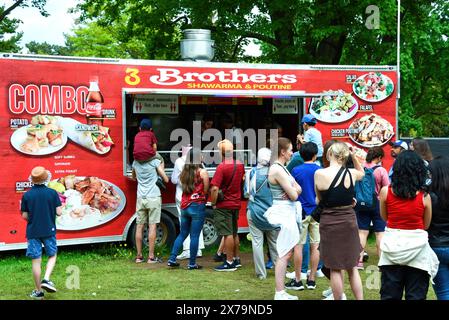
(220, 196)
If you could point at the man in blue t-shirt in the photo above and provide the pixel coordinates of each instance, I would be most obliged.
(304, 175)
(39, 207)
(311, 134)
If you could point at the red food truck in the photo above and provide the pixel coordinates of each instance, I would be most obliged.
(78, 116)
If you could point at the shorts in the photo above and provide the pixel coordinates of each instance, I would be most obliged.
(34, 248)
(365, 217)
(310, 226)
(225, 221)
(148, 210)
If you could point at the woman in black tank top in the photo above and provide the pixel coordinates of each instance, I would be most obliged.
(339, 238)
(341, 195)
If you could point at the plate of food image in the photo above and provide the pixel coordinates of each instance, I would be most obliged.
(373, 87)
(337, 106)
(370, 131)
(43, 136)
(87, 201)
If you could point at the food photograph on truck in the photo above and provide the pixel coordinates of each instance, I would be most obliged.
(151, 157)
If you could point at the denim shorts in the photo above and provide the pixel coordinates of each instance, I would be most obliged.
(34, 249)
(364, 219)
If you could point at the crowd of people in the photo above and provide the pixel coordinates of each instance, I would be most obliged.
(315, 208)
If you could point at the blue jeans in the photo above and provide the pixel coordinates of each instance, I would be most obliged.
(441, 286)
(306, 257)
(192, 221)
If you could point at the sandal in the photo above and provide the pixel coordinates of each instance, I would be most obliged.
(139, 259)
(154, 260)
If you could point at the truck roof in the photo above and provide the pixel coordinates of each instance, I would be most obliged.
(194, 63)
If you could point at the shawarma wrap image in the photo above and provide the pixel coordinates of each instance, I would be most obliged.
(98, 141)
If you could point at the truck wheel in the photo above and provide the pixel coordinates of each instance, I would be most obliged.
(210, 234)
(165, 233)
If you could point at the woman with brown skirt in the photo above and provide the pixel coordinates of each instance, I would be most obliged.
(340, 243)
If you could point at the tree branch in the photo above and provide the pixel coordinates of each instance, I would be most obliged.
(11, 8)
(184, 17)
(236, 48)
(249, 34)
(261, 37)
(418, 97)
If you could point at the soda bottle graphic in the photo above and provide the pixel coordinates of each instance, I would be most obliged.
(94, 103)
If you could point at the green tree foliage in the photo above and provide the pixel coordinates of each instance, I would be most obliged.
(94, 40)
(9, 37)
(288, 31)
(46, 48)
(308, 32)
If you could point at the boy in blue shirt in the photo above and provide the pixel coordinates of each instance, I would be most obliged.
(39, 207)
(304, 175)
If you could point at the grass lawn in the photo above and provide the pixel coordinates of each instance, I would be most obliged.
(107, 271)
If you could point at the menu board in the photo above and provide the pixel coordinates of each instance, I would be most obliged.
(50, 126)
(361, 111)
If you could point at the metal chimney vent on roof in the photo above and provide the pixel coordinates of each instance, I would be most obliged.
(197, 45)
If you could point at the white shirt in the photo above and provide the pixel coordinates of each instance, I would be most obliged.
(410, 248)
(179, 166)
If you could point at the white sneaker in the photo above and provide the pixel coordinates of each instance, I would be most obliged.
(292, 275)
(331, 297)
(282, 295)
(199, 253)
(319, 274)
(327, 292)
(184, 255)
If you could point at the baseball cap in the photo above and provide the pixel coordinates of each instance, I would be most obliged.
(399, 143)
(146, 124)
(308, 118)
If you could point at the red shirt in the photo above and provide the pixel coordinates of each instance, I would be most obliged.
(143, 145)
(197, 195)
(406, 214)
(222, 178)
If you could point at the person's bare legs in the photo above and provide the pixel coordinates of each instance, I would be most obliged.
(337, 284)
(36, 268)
(50, 266)
(363, 235)
(379, 236)
(221, 247)
(297, 260)
(139, 235)
(236, 249)
(229, 247)
(151, 239)
(356, 283)
(314, 260)
(280, 269)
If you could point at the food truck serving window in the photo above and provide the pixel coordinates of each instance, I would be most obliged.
(174, 117)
